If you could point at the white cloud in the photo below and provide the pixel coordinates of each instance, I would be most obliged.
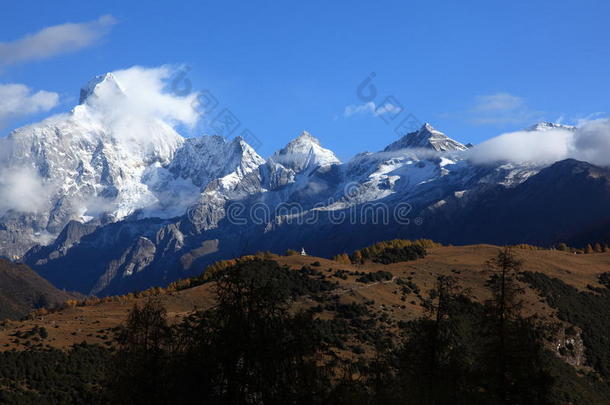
(147, 95)
(371, 108)
(502, 108)
(498, 102)
(524, 146)
(365, 108)
(590, 142)
(387, 109)
(17, 100)
(22, 190)
(141, 114)
(134, 102)
(55, 40)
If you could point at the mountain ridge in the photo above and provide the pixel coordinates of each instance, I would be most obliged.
(153, 206)
(427, 137)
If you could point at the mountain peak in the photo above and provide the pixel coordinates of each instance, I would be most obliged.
(304, 139)
(303, 152)
(427, 137)
(240, 144)
(100, 86)
(427, 127)
(547, 126)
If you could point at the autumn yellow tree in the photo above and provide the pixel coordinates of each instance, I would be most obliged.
(357, 257)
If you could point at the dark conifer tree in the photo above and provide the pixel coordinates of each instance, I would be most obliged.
(513, 351)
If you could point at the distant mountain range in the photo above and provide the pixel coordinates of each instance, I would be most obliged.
(115, 213)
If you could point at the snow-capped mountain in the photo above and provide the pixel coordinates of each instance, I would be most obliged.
(99, 88)
(143, 205)
(303, 153)
(548, 126)
(90, 164)
(427, 138)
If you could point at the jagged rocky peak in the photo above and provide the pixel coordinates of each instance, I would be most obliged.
(99, 87)
(206, 158)
(427, 137)
(206, 147)
(304, 152)
(243, 147)
(547, 126)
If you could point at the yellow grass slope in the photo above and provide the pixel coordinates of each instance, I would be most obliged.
(94, 323)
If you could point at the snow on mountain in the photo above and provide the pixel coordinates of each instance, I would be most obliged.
(547, 126)
(304, 152)
(426, 138)
(95, 162)
(114, 159)
(101, 87)
(81, 159)
(114, 181)
(206, 158)
(194, 186)
(328, 185)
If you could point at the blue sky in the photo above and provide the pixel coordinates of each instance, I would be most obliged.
(472, 69)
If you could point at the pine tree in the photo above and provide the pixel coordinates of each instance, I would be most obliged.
(514, 349)
(502, 307)
(141, 361)
(437, 363)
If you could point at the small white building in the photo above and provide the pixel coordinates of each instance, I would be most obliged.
(303, 252)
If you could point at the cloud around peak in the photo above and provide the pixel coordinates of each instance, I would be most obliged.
(590, 142)
(23, 190)
(138, 102)
(141, 116)
(145, 93)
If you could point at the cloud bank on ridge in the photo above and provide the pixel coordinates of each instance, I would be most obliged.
(590, 142)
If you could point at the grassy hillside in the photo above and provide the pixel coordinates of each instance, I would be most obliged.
(361, 310)
(76, 324)
(22, 290)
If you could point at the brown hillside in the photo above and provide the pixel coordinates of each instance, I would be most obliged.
(94, 323)
(22, 289)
